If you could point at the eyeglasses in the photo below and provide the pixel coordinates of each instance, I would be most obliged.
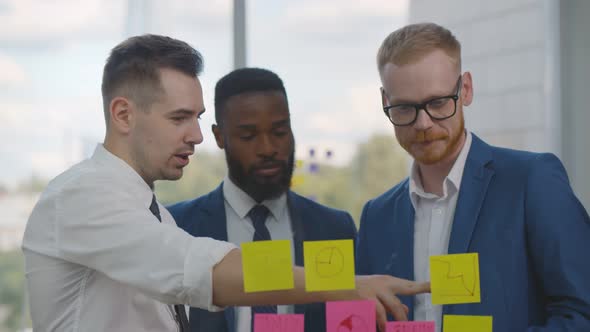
(439, 108)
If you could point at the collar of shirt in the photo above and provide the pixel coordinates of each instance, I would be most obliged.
(242, 203)
(452, 182)
(126, 175)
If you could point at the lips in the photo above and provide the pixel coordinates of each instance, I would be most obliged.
(268, 170)
(182, 158)
(426, 142)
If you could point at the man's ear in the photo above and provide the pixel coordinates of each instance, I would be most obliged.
(384, 101)
(467, 86)
(218, 136)
(121, 112)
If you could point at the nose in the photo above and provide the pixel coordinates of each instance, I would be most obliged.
(423, 120)
(194, 135)
(266, 146)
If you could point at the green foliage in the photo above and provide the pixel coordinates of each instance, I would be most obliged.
(34, 184)
(377, 165)
(12, 285)
(203, 174)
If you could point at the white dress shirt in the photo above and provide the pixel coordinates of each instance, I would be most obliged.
(97, 259)
(240, 229)
(432, 229)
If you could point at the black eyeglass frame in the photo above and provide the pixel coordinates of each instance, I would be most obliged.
(423, 106)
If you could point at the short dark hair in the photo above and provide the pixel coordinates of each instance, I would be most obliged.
(132, 68)
(245, 80)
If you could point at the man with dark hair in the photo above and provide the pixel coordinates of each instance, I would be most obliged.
(515, 209)
(254, 129)
(101, 254)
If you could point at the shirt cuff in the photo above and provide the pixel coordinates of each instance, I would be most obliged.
(204, 253)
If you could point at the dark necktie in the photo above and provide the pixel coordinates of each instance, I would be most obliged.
(258, 216)
(178, 308)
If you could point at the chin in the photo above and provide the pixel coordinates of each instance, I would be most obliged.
(428, 158)
(172, 176)
(267, 180)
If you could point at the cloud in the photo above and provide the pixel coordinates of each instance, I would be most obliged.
(342, 17)
(324, 50)
(199, 9)
(11, 72)
(345, 26)
(44, 24)
(359, 111)
(354, 117)
(44, 137)
(33, 119)
(333, 11)
(48, 163)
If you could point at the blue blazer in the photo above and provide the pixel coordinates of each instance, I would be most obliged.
(205, 217)
(517, 210)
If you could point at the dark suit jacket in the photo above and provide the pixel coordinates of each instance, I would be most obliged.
(205, 216)
(517, 210)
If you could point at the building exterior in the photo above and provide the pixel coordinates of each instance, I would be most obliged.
(530, 75)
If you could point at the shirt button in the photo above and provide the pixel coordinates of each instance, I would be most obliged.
(437, 211)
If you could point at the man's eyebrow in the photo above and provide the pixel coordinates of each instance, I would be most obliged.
(281, 123)
(247, 127)
(182, 111)
(402, 101)
(186, 111)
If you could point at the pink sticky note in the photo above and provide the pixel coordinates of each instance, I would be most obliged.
(351, 316)
(278, 323)
(410, 327)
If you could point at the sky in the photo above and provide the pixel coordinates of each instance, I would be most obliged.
(52, 55)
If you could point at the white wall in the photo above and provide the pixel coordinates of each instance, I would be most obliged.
(531, 71)
(503, 45)
(575, 105)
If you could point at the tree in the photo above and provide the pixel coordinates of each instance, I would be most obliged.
(34, 184)
(202, 175)
(377, 165)
(12, 285)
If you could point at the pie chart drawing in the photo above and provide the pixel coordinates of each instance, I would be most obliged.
(329, 262)
(353, 323)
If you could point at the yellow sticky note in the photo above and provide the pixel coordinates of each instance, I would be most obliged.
(297, 180)
(329, 265)
(459, 323)
(455, 279)
(267, 265)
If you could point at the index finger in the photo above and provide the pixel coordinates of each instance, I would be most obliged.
(408, 287)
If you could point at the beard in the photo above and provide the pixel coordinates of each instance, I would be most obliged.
(431, 157)
(258, 187)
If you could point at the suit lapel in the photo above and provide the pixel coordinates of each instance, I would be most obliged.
(214, 225)
(401, 226)
(474, 185)
(212, 222)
